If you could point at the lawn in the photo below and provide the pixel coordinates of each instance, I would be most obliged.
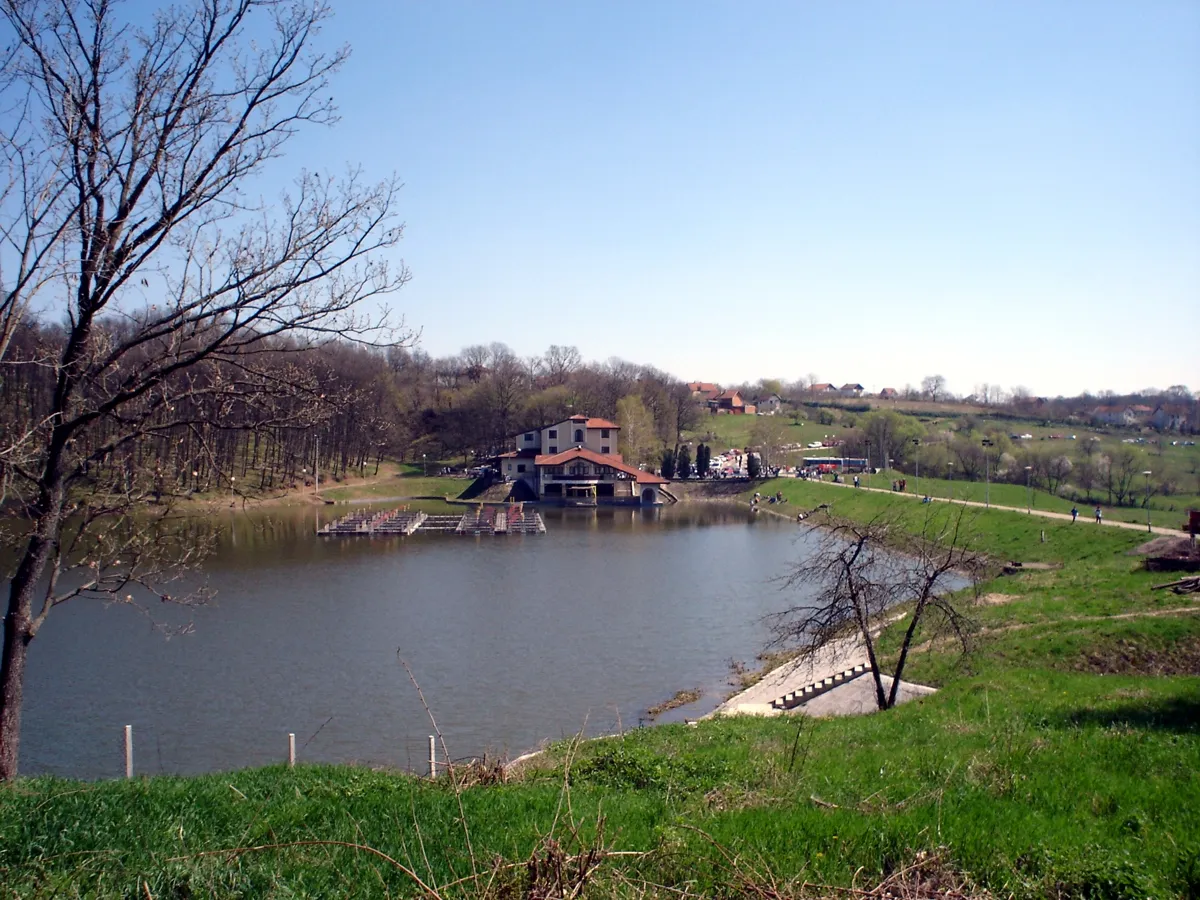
(1058, 760)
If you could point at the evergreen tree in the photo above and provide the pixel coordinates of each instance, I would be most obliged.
(753, 466)
(683, 462)
(668, 463)
(702, 457)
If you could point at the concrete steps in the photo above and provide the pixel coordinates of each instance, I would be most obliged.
(801, 696)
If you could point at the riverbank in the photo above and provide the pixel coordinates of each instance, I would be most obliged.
(391, 484)
(1058, 760)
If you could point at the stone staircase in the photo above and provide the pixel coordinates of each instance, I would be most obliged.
(817, 688)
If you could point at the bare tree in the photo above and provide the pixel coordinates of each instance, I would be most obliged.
(768, 435)
(560, 362)
(862, 571)
(934, 387)
(132, 225)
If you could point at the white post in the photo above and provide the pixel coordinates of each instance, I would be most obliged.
(432, 758)
(291, 749)
(128, 751)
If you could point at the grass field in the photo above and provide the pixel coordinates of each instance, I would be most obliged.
(1166, 510)
(399, 486)
(1059, 760)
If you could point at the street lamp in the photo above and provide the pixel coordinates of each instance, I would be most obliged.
(868, 463)
(950, 466)
(987, 474)
(1147, 474)
(917, 455)
(424, 467)
(1028, 492)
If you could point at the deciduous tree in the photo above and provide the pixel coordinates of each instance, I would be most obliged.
(859, 573)
(132, 224)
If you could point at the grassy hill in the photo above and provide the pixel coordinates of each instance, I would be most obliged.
(1059, 759)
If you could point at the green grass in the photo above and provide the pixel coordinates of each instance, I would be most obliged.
(1164, 511)
(1060, 759)
(400, 486)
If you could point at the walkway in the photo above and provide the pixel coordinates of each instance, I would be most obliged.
(1085, 518)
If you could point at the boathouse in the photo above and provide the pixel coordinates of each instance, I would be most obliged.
(576, 462)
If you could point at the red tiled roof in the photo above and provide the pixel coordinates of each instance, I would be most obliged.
(601, 423)
(852, 387)
(729, 395)
(600, 459)
(704, 387)
(823, 386)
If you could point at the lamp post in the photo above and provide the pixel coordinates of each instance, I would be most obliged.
(917, 455)
(1028, 491)
(868, 464)
(987, 474)
(1148, 528)
(424, 467)
(950, 466)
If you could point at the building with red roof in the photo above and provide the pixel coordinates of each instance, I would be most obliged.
(576, 462)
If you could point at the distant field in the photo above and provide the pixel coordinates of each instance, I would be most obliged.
(1156, 454)
(734, 431)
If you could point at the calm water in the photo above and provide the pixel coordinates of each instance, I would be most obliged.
(513, 640)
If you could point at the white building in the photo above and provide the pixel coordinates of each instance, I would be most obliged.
(576, 462)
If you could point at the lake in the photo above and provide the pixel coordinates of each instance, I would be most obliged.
(513, 640)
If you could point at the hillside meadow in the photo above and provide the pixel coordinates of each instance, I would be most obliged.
(1058, 759)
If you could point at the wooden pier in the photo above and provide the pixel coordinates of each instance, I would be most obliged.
(494, 520)
(394, 521)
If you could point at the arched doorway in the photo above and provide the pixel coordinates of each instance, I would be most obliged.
(648, 495)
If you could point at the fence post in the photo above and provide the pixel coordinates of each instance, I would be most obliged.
(128, 751)
(291, 749)
(432, 758)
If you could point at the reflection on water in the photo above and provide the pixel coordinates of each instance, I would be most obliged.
(514, 639)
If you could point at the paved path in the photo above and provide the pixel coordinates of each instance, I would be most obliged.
(1085, 518)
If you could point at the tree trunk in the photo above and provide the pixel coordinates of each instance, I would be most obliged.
(18, 632)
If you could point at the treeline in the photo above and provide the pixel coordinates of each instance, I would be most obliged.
(265, 419)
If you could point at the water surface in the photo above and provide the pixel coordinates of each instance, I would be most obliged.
(512, 639)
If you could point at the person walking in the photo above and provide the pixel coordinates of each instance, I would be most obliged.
(1074, 514)
(1099, 515)
(856, 481)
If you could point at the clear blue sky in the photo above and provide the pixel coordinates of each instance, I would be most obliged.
(1005, 192)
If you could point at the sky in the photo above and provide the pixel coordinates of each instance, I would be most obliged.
(1002, 192)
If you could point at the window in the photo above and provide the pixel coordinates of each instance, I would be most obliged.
(520, 467)
(553, 450)
(553, 433)
(604, 448)
(529, 438)
(604, 433)
(579, 469)
(578, 435)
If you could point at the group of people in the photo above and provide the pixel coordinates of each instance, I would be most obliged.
(1075, 514)
(776, 498)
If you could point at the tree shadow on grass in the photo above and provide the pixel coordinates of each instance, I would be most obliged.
(1175, 714)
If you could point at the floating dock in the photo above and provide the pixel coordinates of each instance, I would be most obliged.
(394, 521)
(511, 519)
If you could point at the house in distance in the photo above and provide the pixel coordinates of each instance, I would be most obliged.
(576, 462)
